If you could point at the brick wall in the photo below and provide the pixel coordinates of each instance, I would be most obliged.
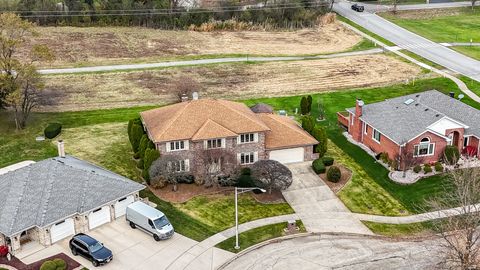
(386, 145)
(440, 144)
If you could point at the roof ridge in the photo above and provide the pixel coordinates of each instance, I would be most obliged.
(256, 119)
(19, 201)
(211, 121)
(176, 116)
(48, 194)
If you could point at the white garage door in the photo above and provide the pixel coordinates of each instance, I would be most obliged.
(98, 217)
(121, 206)
(288, 155)
(62, 230)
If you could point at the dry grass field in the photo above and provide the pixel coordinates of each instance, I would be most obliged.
(233, 81)
(113, 45)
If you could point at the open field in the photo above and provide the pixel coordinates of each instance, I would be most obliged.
(472, 51)
(440, 25)
(241, 80)
(80, 46)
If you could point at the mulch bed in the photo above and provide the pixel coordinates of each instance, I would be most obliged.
(71, 263)
(346, 176)
(266, 198)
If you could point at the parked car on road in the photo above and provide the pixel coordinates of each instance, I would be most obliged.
(143, 216)
(358, 8)
(91, 249)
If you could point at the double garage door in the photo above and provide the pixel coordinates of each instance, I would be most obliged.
(285, 156)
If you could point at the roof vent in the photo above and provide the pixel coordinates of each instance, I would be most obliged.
(408, 101)
(437, 115)
(417, 104)
(417, 96)
(426, 109)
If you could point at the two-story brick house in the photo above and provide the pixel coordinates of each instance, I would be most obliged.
(181, 129)
(423, 124)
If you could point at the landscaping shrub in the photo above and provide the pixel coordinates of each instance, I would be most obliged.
(309, 103)
(334, 174)
(451, 154)
(471, 151)
(327, 161)
(438, 167)
(320, 134)
(304, 106)
(56, 264)
(318, 166)
(384, 157)
(186, 179)
(140, 164)
(150, 156)
(308, 123)
(143, 145)
(52, 130)
(137, 133)
(417, 168)
(427, 168)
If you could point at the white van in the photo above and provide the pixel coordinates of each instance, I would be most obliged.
(149, 219)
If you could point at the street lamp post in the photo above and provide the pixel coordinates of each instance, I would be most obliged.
(240, 191)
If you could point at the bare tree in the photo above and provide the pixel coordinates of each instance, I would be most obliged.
(184, 87)
(459, 234)
(167, 169)
(271, 175)
(216, 167)
(406, 158)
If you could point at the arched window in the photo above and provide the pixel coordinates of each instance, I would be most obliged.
(424, 148)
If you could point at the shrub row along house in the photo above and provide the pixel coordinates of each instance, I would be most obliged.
(422, 124)
(187, 129)
(47, 201)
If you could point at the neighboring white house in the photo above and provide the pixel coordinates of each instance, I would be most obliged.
(55, 198)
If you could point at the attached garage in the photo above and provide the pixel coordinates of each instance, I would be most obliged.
(288, 155)
(99, 217)
(121, 206)
(62, 229)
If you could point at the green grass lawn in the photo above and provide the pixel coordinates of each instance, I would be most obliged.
(257, 235)
(472, 51)
(452, 27)
(421, 59)
(471, 84)
(377, 37)
(395, 230)
(409, 198)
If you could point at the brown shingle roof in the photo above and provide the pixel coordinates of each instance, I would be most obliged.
(185, 120)
(212, 129)
(284, 132)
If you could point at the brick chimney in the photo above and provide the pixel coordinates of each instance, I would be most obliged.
(61, 148)
(359, 107)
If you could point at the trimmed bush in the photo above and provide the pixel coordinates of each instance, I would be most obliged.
(318, 166)
(143, 145)
(61, 264)
(438, 167)
(137, 133)
(304, 106)
(417, 168)
(150, 156)
(52, 130)
(140, 164)
(451, 154)
(186, 179)
(131, 122)
(327, 161)
(384, 157)
(334, 174)
(308, 123)
(320, 135)
(427, 168)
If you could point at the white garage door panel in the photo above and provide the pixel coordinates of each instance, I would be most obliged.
(288, 155)
(121, 206)
(99, 217)
(62, 230)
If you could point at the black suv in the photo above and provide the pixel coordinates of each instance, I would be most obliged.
(88, 247)
(358, 8)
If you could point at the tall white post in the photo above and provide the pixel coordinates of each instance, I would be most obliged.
(236, 219)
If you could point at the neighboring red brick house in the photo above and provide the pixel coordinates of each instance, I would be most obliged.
(201, 124)
(423, 123)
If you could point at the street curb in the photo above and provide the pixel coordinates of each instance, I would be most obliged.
(300, 235)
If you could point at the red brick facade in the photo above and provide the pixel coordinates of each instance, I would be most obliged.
(363, 133)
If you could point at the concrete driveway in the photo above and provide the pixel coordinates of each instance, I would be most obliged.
(340, 252)
(132, 248)
(317, 205)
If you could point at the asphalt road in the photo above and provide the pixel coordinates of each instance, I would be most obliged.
(339, 252)
(405, 39)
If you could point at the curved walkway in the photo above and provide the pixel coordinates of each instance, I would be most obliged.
(201, 62)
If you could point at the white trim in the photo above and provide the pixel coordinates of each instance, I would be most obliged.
(431, 131)
(450, 119)
(468, 141)
(428, 149)
(169, 145)
(255, 138)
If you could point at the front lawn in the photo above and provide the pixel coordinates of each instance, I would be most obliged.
(472, 51)
(396, 230)
(257, 235)
(442, 25)
(357, 195)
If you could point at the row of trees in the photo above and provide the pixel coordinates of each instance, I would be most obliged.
(20, 84)
(166, 14)
(309, 124)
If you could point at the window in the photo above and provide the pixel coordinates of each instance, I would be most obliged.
(376, 135)
(177, 145)
(352, 119)
(215, 165)
(246, 138)
(425, 148)
(247, 158)
(365, 128)
(465, 141)
(180, 165)
(215, 143)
